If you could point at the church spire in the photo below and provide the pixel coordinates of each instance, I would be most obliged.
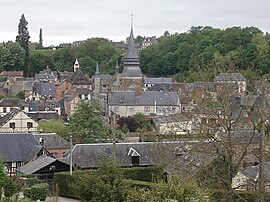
(131, 45)
(76, 66)
(97, 70)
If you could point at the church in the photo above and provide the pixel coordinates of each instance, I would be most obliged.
(125, 93)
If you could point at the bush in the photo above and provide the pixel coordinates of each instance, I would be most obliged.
(148, 174)
(10, 188)
(39, 191)
(139, 184)
(27, 192)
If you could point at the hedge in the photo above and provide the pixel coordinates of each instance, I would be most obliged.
(39, 191)
(148, 174)
(139, 184)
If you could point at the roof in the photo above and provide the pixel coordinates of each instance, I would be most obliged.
(52, 141)
(79, 78)
(145, 98)
(43, 115)
(151, 153)
(16, 146)
(158, 80)
(252, 172)
(230, 77)
(10, 102)
(47, 89)
(210, 86)
(12, 73)
(9, 116)
(36, 165)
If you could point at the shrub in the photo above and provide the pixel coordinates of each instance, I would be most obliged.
(10, 188)
(39, 191)
(148, 174)
(139, 184)
(27, 192)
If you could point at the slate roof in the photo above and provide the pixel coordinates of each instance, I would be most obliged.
(43, 115)
(52, 141)
(44, 77)
(36, 165)
(12, 102)
(210, 86)
(47, 89)
(145, 98)
(158, 80)
(79, 78)
(230, 77)
(16, 146)
(9, 116)
(252, 172)
(151, 153)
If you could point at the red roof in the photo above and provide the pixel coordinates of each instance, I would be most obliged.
(12, 73)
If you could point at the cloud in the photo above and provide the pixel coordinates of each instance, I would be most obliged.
(65, 20)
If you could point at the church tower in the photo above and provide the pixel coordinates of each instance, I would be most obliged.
(76, 66)
(132, 74)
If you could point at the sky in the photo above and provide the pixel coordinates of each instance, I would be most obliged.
(65, 21)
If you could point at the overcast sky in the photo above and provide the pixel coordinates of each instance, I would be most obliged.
(73, 20)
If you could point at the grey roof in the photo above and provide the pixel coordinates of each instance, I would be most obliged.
(33, 106)
(151, 153)
(210, 86)
(52, 141)
(145, 98)
(36, 165)
(10, 102)
(79, 78)
(28, 85)
(158, 80)
(132, 60)
(43, 115)
(230, 77)
(16, 146)
(103, 76)
(44, 77)
(252, 172)
(9, 116)
(47, 89)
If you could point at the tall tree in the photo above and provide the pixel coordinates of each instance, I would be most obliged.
(23, 39)
(40, 39)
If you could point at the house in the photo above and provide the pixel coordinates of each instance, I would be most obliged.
(62, 89)
(43, 90)
(17, 121)
(248, 178)
(12, 74)
(44, 167)
(128, 103)
(174, 124)
(149, 82)
(7, 104)
(18, 148)
(88, 156)
(71, 102)
(79, 80)
(232, 78)
(53, 143)
(147, 41)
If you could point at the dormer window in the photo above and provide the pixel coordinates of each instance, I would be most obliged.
(135, 157)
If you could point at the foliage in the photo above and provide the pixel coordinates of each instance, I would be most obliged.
(128, 122)
(87, 125)
(53, 126)
(139, 184)
(39, 191)
(23, 39)
(27, 192)
(20, 95)
(39, 61)
(143, 122)
(11, 187)
(148, 174)
(12, 56)
(3, 177)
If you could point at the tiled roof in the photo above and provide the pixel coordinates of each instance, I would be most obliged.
(12, 73)
(16, 146)
(53, 141)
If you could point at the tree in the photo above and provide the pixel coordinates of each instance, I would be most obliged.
(3, 177)
(40, 44)
(87, 125)
(23, 39)
(53, 126)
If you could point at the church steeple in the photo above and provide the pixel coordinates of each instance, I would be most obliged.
(97, 70)
(132, 60)
(76, 66)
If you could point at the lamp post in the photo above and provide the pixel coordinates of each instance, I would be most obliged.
(70, 166)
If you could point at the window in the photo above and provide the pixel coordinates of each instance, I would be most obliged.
(146, 109)
(131, 109)
(12, 125)
(29, 125)
(135, 160)
(4, 109)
